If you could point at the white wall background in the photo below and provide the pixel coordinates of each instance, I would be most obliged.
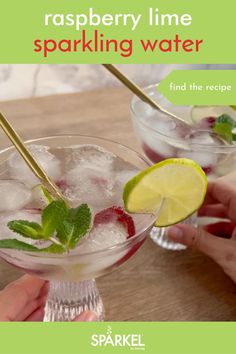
(21, 81)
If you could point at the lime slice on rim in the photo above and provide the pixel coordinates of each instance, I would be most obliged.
(173, 189)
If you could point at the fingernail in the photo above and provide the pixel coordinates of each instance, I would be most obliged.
(91, 317)
(175, 233)
(87, 316)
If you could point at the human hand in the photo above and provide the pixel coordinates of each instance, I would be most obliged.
(220, 202)
(24, 300)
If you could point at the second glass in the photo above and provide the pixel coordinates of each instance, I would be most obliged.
(162, 138)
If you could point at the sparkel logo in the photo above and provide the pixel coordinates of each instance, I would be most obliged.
(133, 341)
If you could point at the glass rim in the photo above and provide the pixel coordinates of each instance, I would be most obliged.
(101, 251)
(135, 99)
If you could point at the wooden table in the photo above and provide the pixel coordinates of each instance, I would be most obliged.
(154, 285)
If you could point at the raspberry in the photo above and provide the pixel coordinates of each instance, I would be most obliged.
(116, 214)
(152, 155)
(62, 185)
(207, 169)
(207, 123)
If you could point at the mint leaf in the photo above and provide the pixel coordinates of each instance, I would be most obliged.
(224, 126)
(22, 246)
(225, 119)
(18, 245)
(65, 232)
(53, 249)
(70, 226)
(46, 194)
(52, 216)
(26, 228)
(75, 226)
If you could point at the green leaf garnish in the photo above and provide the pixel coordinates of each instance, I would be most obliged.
(26, 228)
(22, 246)
(17, 245)
(75, 226)
(53, 249)
(224, 126)
(61, 225)
(80, 220)
(225, 119)
(49, 198)
(52, 216)
(65, 231)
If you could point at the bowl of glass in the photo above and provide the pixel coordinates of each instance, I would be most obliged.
(87, 170)
(161, 138)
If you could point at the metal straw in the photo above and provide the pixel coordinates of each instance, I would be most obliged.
(139, 92)
(28, 157)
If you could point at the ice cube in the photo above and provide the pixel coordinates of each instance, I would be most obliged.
(89, 155)
(123, 176)
(104, 236)
(200, 154)
(19, 170)
(204, 159)
(164, 126)
(123, 172)
(203, 138)
(159, 145)
(90, 176)
(5, 232)
(163, 137)
(86, 185)
(13, 195)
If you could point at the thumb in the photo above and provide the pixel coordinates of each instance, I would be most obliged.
(86, 316)
(198, 239)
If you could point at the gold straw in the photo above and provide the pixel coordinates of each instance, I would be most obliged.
(139, 92)
(29, 159)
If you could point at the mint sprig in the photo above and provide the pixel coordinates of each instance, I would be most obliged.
(22, 246)
(48, 197)
(26, 228)
(75, 226)
(18, 245)
(52, 216)
(224, 126)
(62, 226)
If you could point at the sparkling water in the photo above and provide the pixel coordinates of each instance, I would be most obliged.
(14, 195)
(86, 174)
(19, 170)
(162, 138)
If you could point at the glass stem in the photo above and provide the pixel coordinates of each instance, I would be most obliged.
(66, 300)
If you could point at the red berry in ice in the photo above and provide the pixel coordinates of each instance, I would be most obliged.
(116, 214)
(102, 182)
(207, 123)
(62, 185)
(152, 155)
(207, 170)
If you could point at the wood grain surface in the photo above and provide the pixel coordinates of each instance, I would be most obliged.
(154, 285)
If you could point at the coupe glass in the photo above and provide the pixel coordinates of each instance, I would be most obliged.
(162, 138)
(72, 285)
